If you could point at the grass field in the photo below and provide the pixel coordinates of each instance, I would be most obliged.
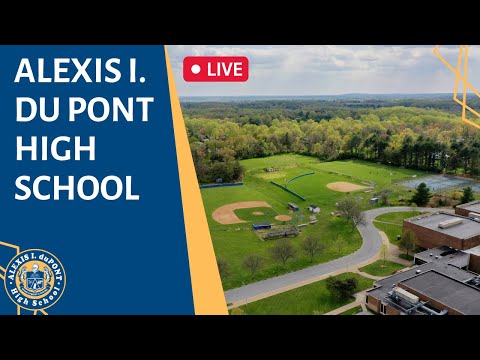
(247, 215)
(392, 223)
(312, 299)
(382, 268)
(234, 242)
(352, 311)
(379, 174)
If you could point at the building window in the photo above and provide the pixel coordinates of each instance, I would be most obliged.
(383, 308)
(366, 299)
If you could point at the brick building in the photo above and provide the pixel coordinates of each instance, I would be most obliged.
(468, 209)
(438, 285)
(444, 229)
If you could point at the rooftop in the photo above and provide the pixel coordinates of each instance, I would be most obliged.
(262, 224)
(467, 229)
(448, 291)
(474, 251)
(384, 286)
(446, 255)
(473, 206)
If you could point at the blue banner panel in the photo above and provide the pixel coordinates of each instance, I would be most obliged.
(89, 187)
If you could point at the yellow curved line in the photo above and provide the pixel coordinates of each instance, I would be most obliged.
(17, 248)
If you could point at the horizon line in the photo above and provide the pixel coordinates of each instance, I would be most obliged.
(342, 94)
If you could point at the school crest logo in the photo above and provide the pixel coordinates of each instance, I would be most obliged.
(35, 279)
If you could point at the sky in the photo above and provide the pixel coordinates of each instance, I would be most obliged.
(282, 70)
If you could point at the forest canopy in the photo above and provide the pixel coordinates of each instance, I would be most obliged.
(220, 134)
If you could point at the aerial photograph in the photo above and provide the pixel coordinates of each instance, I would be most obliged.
(341, 180)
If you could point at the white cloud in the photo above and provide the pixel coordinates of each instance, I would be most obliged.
(327, 69)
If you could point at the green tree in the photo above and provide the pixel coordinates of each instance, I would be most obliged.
(238, 171)
(467, 195)
(312, 246)
(354, 144)
(342, 289)
(351, 211)
(384, 198)
(223, 268)
(253, 262)
(408, 241)
(282, 251)
(384, 252)
(422, 195)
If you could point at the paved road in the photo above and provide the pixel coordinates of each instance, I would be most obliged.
(372, 242)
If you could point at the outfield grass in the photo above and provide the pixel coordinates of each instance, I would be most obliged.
(312, 299)
(234, 242)
(365, 170)
(281, 161)
(395, 224)
(382, 268)
(352, 311)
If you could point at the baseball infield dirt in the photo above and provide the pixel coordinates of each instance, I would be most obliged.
(225, 215)
(343, 186)
(283, 217)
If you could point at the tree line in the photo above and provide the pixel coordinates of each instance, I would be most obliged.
(416, 138)
(263, 112)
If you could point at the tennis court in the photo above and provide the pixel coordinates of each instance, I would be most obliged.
(442, 182)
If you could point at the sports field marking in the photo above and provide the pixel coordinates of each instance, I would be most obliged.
(257, 213)
(283, 217)
(225, 214)
(342, 186)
